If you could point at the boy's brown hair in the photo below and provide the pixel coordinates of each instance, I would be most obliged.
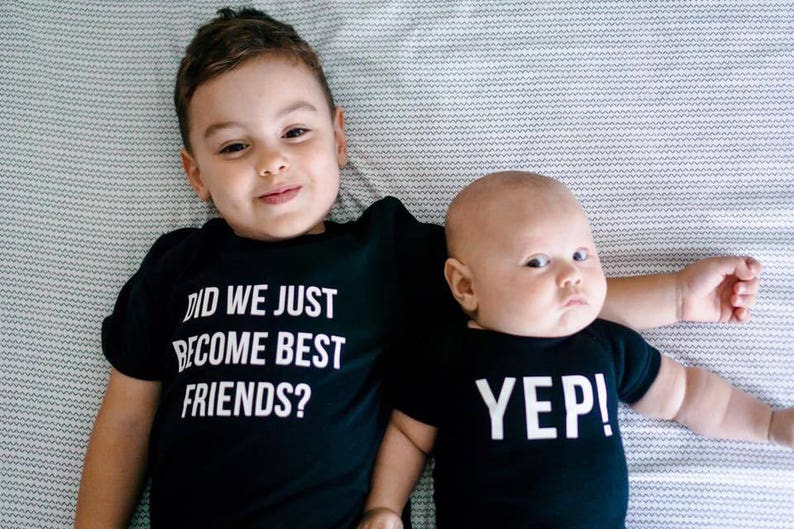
(226, 42)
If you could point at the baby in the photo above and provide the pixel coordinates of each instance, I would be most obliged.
(521, 412)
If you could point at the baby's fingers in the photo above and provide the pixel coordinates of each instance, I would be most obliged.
(744, 268)
(747, 286)
(740, 315)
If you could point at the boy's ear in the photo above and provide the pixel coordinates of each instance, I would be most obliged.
(193, 174)
(459, 279)
(339, 136)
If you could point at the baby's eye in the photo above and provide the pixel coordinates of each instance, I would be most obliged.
(295, 133)
(233, 148)
(580, 255)
(539, 261)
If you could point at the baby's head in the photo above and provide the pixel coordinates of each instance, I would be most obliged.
(522, 257)
(262, 137)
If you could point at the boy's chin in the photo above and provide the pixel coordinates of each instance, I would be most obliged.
(279, 233)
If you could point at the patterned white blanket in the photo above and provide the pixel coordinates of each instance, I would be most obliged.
(672, 121)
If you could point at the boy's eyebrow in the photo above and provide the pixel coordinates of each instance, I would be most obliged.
(300, 105)
(217, 126)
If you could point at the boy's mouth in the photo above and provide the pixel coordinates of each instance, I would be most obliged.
(280, 195)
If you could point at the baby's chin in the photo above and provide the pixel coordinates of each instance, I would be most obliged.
(566, 325)
(571, 323)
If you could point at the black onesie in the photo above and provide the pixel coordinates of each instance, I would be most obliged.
(528, 432)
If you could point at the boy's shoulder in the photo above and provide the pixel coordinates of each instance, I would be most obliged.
(388, 209)
(177, 246)
(167, 242)
(387, 203)
(389, 218)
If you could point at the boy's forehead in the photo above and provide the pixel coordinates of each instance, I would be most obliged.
(276, 77)
(268, 84)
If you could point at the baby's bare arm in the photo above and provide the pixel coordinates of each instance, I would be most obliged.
(717, 289)
(115, 463)
(400, 462)
(708, 405)
(641, 302)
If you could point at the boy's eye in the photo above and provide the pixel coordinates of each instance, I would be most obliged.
(233, 148)
(580, 255)
(295, 133)
(539, 261)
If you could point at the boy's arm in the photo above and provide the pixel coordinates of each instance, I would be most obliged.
(400, 462)
(708, 405)
(717, 289)
(115, 463)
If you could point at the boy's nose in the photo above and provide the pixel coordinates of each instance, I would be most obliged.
(270, 162)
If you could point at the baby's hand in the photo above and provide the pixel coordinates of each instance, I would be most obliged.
(380, 518)
(781, 429)
(718, 289)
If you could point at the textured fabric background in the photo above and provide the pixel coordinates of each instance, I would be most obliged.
(671, 120)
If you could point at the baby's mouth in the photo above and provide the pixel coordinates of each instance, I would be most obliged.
(575, 301)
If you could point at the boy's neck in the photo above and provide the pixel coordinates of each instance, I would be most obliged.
(316, 230)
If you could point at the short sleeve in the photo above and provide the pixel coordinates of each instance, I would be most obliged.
(133, 334)
(638, 364)
(427, 309)
(424, 385)
(418, 391)
(420, 252)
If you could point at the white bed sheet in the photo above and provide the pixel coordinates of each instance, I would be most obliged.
(672, 121)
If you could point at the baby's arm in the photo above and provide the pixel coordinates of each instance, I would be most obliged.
(115, 463)
(708, 405)
(717, 289)
(400, 462)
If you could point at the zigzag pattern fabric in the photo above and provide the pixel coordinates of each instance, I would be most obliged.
(672, 121)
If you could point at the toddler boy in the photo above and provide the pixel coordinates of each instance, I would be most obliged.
(249, 355)
(521, 413)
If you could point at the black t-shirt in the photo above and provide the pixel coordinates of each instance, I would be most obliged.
(528, 432)
(272, 363)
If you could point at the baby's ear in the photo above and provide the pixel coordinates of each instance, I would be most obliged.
(458, 278)
(193, 174)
